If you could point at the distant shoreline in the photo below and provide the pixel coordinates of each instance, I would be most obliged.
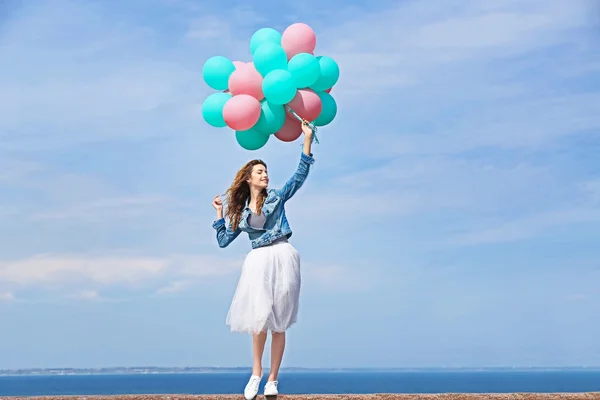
(205, 370)
(449, 396)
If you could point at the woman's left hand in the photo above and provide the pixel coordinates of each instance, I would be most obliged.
(306, 129)
(308, 137)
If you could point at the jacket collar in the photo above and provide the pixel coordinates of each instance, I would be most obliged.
(270, 194)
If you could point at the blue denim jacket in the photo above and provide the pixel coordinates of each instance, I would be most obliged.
(276, 225)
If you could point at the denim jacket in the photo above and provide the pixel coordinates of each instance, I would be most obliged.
(276, 225)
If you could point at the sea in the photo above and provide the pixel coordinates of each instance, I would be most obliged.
(311, 382)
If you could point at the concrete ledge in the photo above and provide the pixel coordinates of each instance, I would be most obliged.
(458, 396)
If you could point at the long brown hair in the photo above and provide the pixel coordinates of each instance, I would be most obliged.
(239, 192)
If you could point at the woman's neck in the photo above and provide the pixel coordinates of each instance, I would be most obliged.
(254, 193)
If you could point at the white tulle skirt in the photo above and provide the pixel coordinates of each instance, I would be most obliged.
(268, 291)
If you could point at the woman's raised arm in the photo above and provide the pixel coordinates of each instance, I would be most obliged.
(306, 159)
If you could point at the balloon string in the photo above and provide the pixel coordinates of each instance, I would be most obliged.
(310, 124)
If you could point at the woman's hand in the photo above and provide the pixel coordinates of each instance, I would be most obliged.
(308, 137)
(306, 129)
(218, 205)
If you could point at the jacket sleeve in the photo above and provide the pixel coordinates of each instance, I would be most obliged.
(224, 233)
(297, 180)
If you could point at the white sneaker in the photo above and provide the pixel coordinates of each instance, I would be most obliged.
(271, 388)
(251, 389)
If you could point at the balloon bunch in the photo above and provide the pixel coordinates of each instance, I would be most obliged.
(269, 96)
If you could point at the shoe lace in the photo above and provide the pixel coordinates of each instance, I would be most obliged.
(254, 382)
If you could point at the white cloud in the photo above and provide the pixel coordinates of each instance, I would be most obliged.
(86, 295)
(340, 278)
(405, 44)
(114, 94)
(7, 297)
(494, 29)
(414, 185)
(522, 121)
(175, 287)
(593, 189)
(527, 227)
(578, 297)
(205, 266)
(459, 202)
(225, 29)
(343, 205)
(90, 295)
(117, 208)
(164, 275)
(468, 84)
(12, 169)
(104, 270)
(177, 272)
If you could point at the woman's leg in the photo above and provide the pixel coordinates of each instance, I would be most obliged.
(258, 347)
(277, 348)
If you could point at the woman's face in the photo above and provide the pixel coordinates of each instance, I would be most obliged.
(259, 177)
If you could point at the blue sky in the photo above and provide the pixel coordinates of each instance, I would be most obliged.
(451, 217)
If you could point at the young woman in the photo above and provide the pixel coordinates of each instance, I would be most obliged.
(268, 291)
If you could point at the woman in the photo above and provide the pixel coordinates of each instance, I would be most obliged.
(267, 294)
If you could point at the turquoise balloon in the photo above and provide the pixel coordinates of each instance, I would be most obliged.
(329, 109)
(251, 139)
(279, 87)
(216, 72)
(264, 35)
(269, 57)
(212, 109)
(271, 119)
(330, 73)
(305, 68)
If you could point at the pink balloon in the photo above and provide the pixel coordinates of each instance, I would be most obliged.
(246, 80)
(307, 104)
(290, 131)
(328, 90)
(241, 112)
(298, 38)
(239, 64)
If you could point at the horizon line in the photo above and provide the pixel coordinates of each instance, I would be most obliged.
(298, 368)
